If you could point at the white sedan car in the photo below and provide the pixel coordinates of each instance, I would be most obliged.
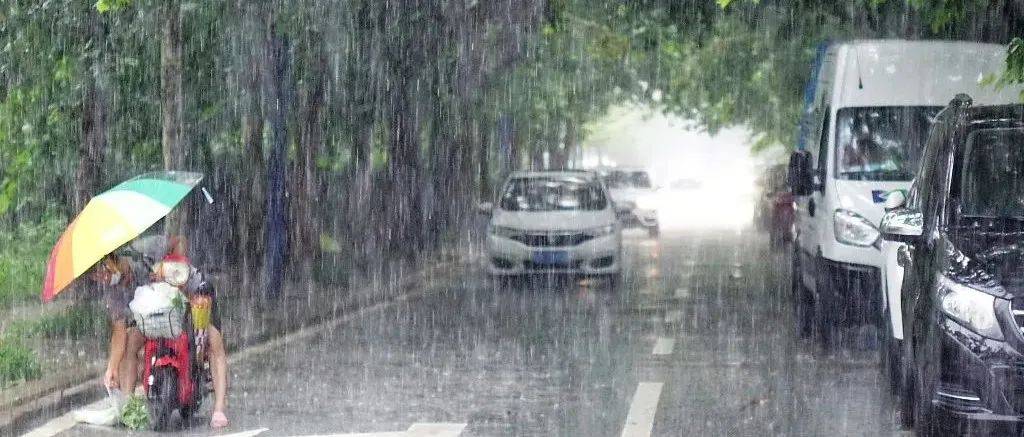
(554, 222)
(633, 185)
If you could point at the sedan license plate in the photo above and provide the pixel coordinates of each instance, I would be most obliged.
(551, 257)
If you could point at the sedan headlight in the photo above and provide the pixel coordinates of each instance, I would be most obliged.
(601, 231)
(502, 231)
(853, 229)
(972, 308)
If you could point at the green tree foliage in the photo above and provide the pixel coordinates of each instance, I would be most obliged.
(400, 115)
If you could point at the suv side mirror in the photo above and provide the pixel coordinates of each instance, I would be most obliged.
(902, 224)
(800, 177)
(485, 207)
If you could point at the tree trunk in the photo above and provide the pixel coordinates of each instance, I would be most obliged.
(403, 201)
(93, 146)
(571, 151)
(251, 196)
(306, 229)
(276, 237)
(484, 164)
(171, 100)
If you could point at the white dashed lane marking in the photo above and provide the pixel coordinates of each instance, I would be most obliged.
(682, 293)
(663, 346)
(640, 420)
(673, 316)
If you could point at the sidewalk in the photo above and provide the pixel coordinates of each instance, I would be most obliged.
(72, 369)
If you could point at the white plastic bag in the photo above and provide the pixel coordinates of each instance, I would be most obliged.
(109, 415)
(159, 310)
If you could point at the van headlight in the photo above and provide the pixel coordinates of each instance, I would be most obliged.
(502, 231)
(974, 309)
(601, 231)
(853, 229)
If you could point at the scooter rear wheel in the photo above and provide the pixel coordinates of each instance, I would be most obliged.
(163, 397)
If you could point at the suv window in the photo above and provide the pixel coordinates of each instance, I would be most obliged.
(992, 181)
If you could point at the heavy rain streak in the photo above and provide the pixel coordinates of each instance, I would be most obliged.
(511, 218)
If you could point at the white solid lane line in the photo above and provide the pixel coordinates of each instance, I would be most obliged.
(416, 430)
(663, 346)
(435, 430)
(62, 423)
(251, 433)
(640, 420)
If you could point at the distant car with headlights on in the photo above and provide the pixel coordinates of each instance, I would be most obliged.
(633, 186)
(554, 222)
(962, 299)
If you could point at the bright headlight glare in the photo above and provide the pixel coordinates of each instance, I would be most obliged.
(971, 308)
(853, 229)
(601, 231)
(502, 231)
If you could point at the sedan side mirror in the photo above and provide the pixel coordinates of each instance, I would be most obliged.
(902, 224)
(800, 177)
(485, 207)
(624, 208)
(895, 200)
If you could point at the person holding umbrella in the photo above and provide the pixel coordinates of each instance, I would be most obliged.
(109, 221)
(116, 277)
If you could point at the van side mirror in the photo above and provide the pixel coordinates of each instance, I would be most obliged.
(902, 224)
(485, 208)
(800, 177)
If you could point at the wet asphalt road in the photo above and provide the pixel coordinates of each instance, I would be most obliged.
(703, 313)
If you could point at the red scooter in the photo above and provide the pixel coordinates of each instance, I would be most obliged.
(176, 374)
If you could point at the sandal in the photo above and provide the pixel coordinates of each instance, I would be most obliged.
(219, 420)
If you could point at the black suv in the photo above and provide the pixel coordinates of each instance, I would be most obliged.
(963, 290)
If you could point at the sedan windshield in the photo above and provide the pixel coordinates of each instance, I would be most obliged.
(616, 179)
(992, 182)
(881, 144)
(553, 194)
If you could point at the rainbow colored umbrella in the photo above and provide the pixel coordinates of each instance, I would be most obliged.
(112, 219)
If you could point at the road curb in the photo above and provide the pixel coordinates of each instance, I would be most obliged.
(83, 388)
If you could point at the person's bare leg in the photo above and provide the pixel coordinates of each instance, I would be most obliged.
(219, 369)
(130, 363)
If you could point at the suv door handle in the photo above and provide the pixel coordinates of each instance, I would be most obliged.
(810, 207)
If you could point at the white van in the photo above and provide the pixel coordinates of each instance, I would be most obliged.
(868, 113)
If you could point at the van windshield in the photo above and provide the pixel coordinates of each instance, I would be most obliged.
(881, 143)
(992, 181)
(553, 194)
